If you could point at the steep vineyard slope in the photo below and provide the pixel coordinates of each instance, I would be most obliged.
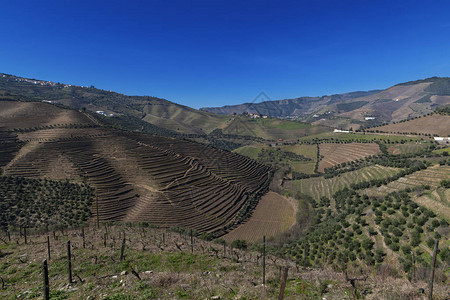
(136, 177)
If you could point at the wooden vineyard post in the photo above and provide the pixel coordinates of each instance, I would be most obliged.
(82, 234)
(413, 266)
(164, 239)
(104, 239)
(192, 243)
(69, 262)
(283, 283)
(25, 234)
(9, 236)
(48, 247)
(98, 217)
(264, 260)
(224, 249)
(122, 250)
(46, 282)
(433, 266)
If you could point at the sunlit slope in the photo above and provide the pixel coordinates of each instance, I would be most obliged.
(137, 177)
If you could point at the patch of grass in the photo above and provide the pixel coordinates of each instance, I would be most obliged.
(184, 262)
(441, 151)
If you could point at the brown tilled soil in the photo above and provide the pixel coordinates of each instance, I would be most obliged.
(273, 215)
(334, 154)
(434, 124)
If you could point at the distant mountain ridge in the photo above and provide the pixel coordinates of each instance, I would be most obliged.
(402, 101)
(347, 110)
(286, 107)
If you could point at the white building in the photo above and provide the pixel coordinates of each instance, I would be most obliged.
(342, 131)
(441, 139)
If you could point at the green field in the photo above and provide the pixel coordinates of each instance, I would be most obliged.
(251, 151)
(319, 186)
(440, 151)
(271, 129)
(303, 167)
(309, 151)
(407, 148)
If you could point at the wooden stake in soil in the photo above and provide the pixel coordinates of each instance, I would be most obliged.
(192, 243)
(122, 250)
(98, 218)
(9, 236)
(82, 234)
(283, 283)
(104, 239)
(25, 234)
(69, 262)
(224, 249)
(45, 277)
(413, 266)
(164, 239)
(264, 260)
(433, 265)
(48, 247)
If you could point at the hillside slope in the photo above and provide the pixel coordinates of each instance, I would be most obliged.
(137, 177)
(399, 102)
(154, 110)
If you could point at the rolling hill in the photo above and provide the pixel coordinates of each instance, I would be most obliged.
(137, 177)
(153, 110)
(402, 101)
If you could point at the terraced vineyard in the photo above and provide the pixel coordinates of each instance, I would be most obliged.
(318, 186)
(334, 154)
(437, 200)
(164, 181)
(9, 145)
(273, 215)
(431, 176)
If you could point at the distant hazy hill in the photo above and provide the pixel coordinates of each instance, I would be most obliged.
(402, 101)
(153, 110)
(154, 115)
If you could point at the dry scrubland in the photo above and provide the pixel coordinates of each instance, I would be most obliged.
(273, 215)
(434, 124)
(334, 154)
(159, 264)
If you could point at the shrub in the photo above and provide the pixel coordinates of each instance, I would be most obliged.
(239, 244)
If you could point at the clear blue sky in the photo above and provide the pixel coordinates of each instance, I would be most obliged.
(212, 53)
